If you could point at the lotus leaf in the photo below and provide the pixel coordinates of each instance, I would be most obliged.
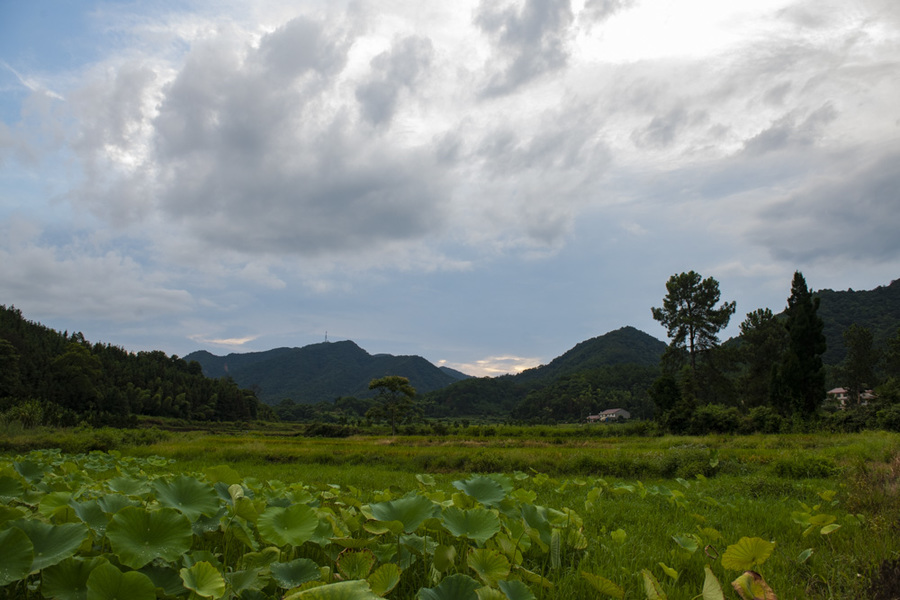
(490, 565)
(241, 581)
(454, 587)
(751, 586)
(204, 580)
(113, 503)
(106, 582)
(444, 557)
(535, 518)
(712, 589)
(410, 510)
(129, 486)
(188, 495)
(747, 553)
(164, 578)
(91, 515)
(18, 554)
(293, 525)
(489, 593)
(223, 473)
(31, 471)
(516, 590)
(651, 586)
(138, 535)
(10, 488)
(477, 524)
(296, 572)
(67, 580)
(261, 559)
(52, 543)
(384, 579)
(8, 513)
(344, 590)
(604, 585)
(355, 564)
(484, 489)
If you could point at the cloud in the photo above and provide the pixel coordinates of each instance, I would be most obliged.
(79, 278)
(529, 40)
(493, 366)
(848, 214)
(392, 72)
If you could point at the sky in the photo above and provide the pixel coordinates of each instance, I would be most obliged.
(481, 182)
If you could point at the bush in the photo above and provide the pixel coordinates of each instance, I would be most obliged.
(889, 418)
(762, 419)
(714, 418)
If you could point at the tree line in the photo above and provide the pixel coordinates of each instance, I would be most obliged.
(772, 377)
(53, 378)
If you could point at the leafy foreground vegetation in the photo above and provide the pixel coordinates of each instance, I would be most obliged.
(106, 525)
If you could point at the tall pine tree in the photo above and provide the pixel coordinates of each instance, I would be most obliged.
(799, 382)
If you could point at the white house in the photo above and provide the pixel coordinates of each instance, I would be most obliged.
(610, 414)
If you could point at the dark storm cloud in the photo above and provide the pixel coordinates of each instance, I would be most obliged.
(392, 72)
(849, 212)
(528, 42)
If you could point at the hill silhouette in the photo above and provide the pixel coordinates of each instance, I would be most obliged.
(320, 372)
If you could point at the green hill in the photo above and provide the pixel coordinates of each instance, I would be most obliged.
(609, 371)
(320, 372)
(54, 378)
(877, 310)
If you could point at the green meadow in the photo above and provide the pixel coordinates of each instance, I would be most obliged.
(544, 512)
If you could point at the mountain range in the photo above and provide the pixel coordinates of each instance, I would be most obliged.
(320, 372)
(329, 370)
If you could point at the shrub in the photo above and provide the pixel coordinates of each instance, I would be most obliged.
(889, 418)
(714, 418)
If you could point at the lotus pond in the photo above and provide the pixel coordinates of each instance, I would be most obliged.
(699, 519)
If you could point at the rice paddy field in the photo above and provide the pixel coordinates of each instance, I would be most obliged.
(523, 513)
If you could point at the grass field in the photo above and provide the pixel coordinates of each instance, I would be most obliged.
(663, 506)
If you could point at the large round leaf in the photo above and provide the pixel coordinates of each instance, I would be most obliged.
(411, 511)
(357, 589)
(747, 553)
(92, 515)
(516, 590)
(484, 489)
(10, 488)
(204, 580)
(355, 564)
(490, 565)
(293, 525)
(106, 582)
(67, 580)
(477, 524)
(455, 587)
(384, 579)
(188, 495)
(296, 572)
(52, 543)
(138, 535)
(18, 554)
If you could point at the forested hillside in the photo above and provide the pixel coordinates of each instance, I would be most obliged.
(319, 372)
(877, 310)
(61, 378)
(614, 370)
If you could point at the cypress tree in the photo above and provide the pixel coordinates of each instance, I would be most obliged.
(799, 382)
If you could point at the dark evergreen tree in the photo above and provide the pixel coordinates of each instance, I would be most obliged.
(798, 386)
(858, 368)
(690, 315)
(764, 341)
